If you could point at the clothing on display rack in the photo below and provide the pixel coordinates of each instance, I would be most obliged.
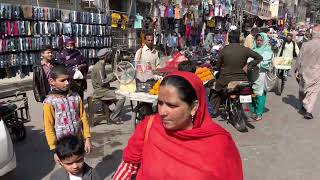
(116, 17)
(26, 29)
(138, 21)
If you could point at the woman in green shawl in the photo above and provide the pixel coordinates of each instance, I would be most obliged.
(261, 46)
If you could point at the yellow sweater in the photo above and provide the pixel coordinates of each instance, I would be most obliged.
(49, 122)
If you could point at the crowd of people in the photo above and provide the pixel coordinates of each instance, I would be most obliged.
(179, 137)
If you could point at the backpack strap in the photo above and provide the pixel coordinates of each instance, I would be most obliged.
(150, 122)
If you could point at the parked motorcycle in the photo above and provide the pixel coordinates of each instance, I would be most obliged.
(235, 107)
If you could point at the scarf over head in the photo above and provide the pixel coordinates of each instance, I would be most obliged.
(265, 46)
(70, 59)
(265, 51)
(206, 152)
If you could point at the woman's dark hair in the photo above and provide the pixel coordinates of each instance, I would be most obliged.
(258, 35)
(234, 36)
(58, 70)
(188, 66)
(69, 146)
(185, 90)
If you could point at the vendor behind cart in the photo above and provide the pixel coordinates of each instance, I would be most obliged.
(148, 54)
(101, 84)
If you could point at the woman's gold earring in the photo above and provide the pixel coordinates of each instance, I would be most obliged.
(192, 118)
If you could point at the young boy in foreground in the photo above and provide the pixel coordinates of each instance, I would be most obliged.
(70, 151)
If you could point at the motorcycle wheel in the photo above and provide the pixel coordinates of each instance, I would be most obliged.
(139, 113)
(237, 117)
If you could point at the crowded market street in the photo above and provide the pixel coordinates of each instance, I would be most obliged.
(280, 147)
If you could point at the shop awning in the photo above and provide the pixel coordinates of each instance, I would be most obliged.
(266, 18)
(250, 13)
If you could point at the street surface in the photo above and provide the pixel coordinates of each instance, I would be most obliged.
(283, 146)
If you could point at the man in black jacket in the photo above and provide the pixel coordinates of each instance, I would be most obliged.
(41, 73)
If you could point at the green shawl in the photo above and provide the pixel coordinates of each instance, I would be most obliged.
(265, 51)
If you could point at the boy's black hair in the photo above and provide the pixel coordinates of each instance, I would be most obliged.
(188, 66)
(69, 146)
(57, 70)
(46, 48)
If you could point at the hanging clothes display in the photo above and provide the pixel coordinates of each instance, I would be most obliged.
(25, 30)
(115, 19)
(138, 21)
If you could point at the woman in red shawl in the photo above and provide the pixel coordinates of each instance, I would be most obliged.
(181, 141)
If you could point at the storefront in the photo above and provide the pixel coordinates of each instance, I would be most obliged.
(26, 29)
(180, 23)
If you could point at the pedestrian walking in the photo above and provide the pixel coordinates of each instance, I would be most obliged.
(74, 60)
(63, 111)
(177, 142)
(41, 73)
(249, 41)
(289, 49)
(307, 73)
(259, 87)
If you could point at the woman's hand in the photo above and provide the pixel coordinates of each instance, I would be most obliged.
(87, 145)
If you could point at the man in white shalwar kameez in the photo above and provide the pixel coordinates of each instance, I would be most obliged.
(308, 73)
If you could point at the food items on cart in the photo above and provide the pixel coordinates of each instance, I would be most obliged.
(155, 88)
(129, 87)
(204, 74)
(282, 61)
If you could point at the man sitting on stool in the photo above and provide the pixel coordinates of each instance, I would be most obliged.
(101, 84)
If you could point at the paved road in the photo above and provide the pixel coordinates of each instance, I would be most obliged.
(281, 147)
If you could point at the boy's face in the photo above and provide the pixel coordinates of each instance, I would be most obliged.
(73, 164)
(47, 54)
(62, 82)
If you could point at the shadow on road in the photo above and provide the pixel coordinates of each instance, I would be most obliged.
(34, 160)
(292, 100)
(109, 164)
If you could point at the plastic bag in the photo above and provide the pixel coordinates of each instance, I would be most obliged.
(77, 74)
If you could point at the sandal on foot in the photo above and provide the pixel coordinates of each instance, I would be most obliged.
(258, 118)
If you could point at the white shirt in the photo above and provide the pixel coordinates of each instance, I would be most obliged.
(162, 8)
(74, 177)
(146, 55)
(288, 50)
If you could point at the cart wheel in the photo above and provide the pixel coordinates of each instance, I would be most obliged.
(125, 72)
(19, 131)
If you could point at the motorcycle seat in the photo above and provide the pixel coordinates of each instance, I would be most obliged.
(234, 84)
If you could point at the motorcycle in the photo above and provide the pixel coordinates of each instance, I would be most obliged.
(235, 107)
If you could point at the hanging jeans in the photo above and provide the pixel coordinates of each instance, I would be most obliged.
(258, 103)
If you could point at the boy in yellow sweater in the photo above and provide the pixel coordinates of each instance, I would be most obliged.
(64, 112)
